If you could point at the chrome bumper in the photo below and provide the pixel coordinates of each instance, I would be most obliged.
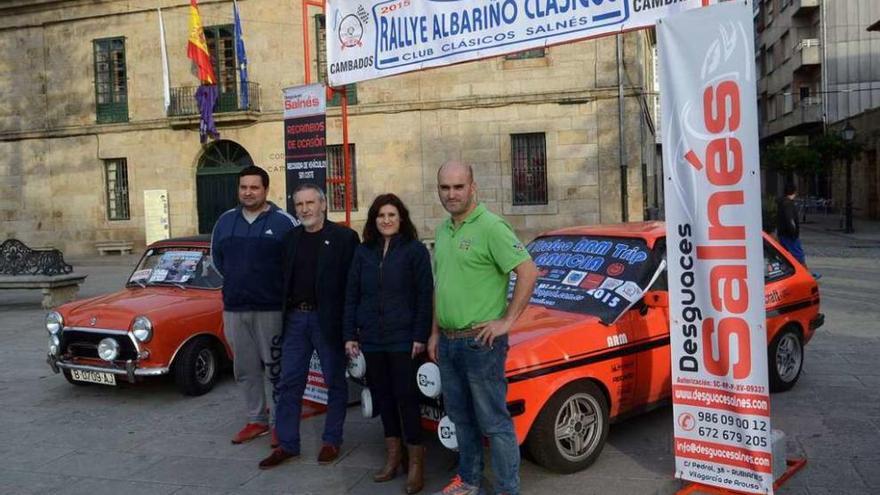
(130, 369)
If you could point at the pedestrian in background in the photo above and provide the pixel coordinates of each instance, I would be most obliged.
(788, 228)
(474, 253)
(316, 257)
(246, 249)
(388, 313)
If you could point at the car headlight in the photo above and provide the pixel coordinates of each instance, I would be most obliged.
(108, 349)
(54, 345)
(54, 322)
(142, 328)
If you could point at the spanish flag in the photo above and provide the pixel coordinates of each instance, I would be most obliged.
(197, 47)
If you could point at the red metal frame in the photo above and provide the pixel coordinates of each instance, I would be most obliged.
(307, 65)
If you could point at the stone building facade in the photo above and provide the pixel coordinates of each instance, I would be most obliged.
(84, 130)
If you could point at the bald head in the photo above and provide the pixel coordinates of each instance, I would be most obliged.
(456, 188)
(456, 167)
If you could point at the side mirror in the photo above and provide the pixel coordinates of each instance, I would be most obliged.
(657, 299)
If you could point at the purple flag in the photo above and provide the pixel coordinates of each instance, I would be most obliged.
(206, 96)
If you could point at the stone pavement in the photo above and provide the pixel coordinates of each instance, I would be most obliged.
(148, 439)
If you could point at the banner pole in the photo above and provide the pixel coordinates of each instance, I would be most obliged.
(624, 190)
(346, 155)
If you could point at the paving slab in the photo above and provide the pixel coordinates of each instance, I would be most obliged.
(148, 438)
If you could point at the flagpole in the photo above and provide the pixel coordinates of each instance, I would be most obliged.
(166, 80)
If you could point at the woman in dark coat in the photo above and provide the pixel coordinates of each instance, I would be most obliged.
(388, 313)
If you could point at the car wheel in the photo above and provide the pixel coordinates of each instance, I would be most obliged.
(786, 359)
(196, 367)
(570, 431)
(69, 377)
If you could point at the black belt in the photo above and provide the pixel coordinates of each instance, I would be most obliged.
(303, 307)
(459, 333)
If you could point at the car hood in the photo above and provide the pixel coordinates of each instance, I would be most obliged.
(541, 335)
(117, 310)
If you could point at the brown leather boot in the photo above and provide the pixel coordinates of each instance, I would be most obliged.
(415, 477)
(392, 460)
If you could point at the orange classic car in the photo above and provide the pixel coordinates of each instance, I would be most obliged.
(167, 320)
(593, 347)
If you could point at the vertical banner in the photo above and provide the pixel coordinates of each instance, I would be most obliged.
(305, 149)
(721, 402)
(156, 215)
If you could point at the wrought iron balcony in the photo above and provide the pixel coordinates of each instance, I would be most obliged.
(184, 104)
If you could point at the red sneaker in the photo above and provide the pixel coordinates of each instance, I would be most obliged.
(250, 432)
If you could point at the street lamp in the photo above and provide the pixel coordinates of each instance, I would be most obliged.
(849, 133)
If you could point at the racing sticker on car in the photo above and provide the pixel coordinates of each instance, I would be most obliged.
(574, 278)
(630, 290)
(176, 266)
(575, 273)
(140, 275)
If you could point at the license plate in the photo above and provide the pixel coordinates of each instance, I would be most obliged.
(93, 377)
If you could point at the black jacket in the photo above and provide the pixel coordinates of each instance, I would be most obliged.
(787, 224)
(390, 300)
(335, 252)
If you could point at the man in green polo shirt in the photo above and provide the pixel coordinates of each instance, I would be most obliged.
(474, 253)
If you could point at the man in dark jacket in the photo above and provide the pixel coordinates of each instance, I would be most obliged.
(788, 228)
(246, 249)
(316, 259)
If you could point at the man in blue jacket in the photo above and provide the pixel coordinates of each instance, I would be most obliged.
(247, 247)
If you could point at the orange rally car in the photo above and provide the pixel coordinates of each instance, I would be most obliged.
(593, 346)
(167, 320)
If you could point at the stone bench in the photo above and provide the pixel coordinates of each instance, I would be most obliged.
(57, 289)
(24, 268)
(122, 247)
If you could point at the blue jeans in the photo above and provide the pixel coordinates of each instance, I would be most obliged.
(793, 246)
(302, 336)
(475, 398)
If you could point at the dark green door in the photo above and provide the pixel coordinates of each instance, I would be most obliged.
(217, 181)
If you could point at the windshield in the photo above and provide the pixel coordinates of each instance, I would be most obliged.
(178, 266)
(593, 275)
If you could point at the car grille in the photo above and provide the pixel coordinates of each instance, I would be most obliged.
(77, 343)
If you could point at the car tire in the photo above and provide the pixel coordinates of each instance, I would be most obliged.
(196, 367)
(785, 358)
(570, 431)
(69, 377)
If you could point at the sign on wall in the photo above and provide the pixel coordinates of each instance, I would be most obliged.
(377, 38)
(157, 225)
(720, 394)
(305, 138)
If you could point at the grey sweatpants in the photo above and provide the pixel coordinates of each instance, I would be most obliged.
(255, 338)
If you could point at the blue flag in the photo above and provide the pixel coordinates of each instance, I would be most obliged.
(242, 59)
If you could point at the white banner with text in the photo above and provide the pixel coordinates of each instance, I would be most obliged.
(369, 39)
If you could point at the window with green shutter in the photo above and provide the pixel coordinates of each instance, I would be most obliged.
(221, 46)
(351, 89)
(111, 85)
